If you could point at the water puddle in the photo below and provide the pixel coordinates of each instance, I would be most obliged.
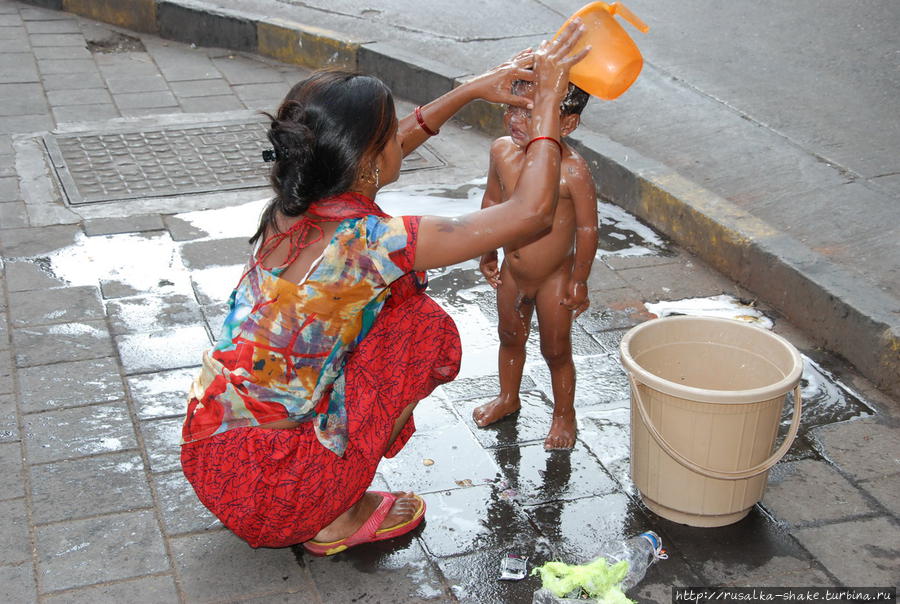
(621, 234)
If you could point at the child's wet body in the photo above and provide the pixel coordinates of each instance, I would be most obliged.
(547, 272)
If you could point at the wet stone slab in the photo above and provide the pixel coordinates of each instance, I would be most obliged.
(143, 314)
(11, 469)
(37, 241)
(163, 394)
(78, 553)
(9, 426)
(60, 305)
(474, 577)
(215, 284)
(863, 448)
(600, 382)
(151, 589)
(462, 521)
(867, 553)
(175, 348)
(434, 414)
(464, 389)
(397, 570)
(47, 344)
(67, 490)
(808, 491)
(885, 491)
(454, 459)
(17, 583)
(182, 512)
(215, 252)
(614, 310)
(6, 372)
(162, 438)
(528, 425)
(70, 384)
(577, 529)
(218, 566)
(77, 432)
(607, 434)
(14, 532)
(534, 475)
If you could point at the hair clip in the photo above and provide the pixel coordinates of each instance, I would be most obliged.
(269, 155)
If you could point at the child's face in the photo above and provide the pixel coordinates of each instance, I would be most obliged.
(518, 119)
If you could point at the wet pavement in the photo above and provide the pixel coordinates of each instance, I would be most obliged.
(105, 309)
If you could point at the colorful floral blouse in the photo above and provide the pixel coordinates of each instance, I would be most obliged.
(283, 345)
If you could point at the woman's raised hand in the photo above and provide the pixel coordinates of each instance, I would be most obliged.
(552, 61)
(495, 85)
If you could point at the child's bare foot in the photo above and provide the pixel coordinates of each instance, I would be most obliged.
(563, 430)
(495, 410)
(349, 522)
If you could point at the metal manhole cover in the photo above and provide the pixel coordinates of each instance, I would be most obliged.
(119, 165)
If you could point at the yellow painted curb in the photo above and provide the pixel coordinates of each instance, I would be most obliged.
(304, 45)
(137, 15)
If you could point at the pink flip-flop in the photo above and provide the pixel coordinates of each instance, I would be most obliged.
(369, 531)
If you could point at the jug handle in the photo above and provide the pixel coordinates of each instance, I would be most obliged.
(617, 8)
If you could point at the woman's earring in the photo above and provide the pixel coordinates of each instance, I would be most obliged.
(377, 176)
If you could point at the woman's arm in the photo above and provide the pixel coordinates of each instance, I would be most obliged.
(529, 210)
(494, 86)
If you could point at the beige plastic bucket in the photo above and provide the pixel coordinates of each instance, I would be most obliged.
(706, 402)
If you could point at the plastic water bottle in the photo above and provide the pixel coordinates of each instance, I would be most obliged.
(640, 552)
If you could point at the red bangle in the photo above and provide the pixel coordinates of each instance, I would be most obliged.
(422, 123)
(545, 138)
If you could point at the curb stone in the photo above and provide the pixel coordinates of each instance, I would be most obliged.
(859, 322)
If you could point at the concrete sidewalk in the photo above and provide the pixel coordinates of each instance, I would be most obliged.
(762, 137)
(111, 287)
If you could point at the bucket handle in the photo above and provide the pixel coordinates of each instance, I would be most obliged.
(759, 468)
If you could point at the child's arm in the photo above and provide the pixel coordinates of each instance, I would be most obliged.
(489, 264)
(584, 199)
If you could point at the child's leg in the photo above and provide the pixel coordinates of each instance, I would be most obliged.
(555, 324)
(515, 310)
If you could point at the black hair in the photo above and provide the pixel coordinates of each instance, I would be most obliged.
(573, 103)
(327, 125)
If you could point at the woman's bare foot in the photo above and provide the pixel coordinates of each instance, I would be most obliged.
(495, 410)
(349, 522)
(563, 430)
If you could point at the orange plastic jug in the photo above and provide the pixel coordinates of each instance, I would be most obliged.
(614, 62)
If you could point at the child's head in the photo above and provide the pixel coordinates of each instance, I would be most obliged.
(518, 119)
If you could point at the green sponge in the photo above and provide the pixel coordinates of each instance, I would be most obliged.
(598, 580)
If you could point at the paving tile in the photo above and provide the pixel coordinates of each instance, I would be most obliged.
(17, 583)
(46, 344)
(57, 39)
(863, 448)
(85, 113)
(11, 469)
(71, 81)
(674, 282)
(9, 191)
(22, 99)
(37, 241)
(215, 318)
(131, 224)
(210, 104)
(434, 414)
(456, 459)
(81, 96)
(71, 489)
(143, 100)
(141, 314)
(24, 275)
(130, 84)
(860, 552)
(607, 434)
(533, 475)
(396, 570)
(69, 433)
(147, 589)
(174, 348)
(61, 52)
(261, 95)
(14, 532)
(477, 518)
(162, 441)
(215, 252)
(61, 66)
(528, 425)
(62, 26)
(182, 512)
(217, 565)
(15, 42)
(885, 490)
(463, 389)
(163, 394)
(13, 214)
(241, 70)
(6, 372)
(150, 111)
(17, 66)
(177, 62)
(579, 530)
(9, 424)
(600, 381)
(70, 384)
(78, 553)
(200, 88)
(810, 491)
(26, 124)
(214, 285)
(61, 305)
(43, 14)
